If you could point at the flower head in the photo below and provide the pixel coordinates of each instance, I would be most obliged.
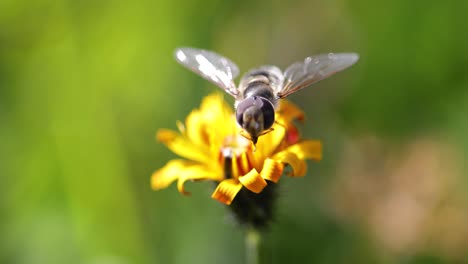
(214, 150)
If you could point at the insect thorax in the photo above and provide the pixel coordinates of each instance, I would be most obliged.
(258, 83)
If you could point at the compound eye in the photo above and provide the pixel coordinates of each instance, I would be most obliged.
(261, 103)
(241, 107)
(268, 113)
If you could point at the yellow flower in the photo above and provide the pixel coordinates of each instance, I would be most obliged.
(213, 149)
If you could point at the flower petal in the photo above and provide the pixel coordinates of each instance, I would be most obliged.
(194, 129)
(268, 143)
(182, 146)
(272, 170)
(253, 181)
(287, 157)
(182, 170)
(288, 112)
(211, 123)
(163, 177)
(307, 149)
(197, 173)
(226, 191)
(215, 105)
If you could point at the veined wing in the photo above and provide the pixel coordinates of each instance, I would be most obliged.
(314, 69)
(211, 66)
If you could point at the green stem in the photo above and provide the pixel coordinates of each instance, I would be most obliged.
(252, 246)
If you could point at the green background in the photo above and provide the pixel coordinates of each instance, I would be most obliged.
(85, 85)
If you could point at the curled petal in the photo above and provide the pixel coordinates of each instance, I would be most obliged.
(226, 191)
(253, 181)
(182, 146)
(272, 170)
(287, 157)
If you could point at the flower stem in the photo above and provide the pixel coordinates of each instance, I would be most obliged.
(252, 246)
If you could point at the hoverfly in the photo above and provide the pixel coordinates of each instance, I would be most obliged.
(259, 90)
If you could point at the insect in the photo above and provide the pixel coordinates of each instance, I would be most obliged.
(259, 90)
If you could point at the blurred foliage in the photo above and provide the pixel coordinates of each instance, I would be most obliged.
(84, 85)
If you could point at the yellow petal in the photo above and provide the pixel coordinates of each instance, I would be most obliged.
(183, 170)
(209, 125)
(296, 154)
(215, 105)
(197, 173)
(288, 112)
(253, 181)
(287, 157)
(163, 177)
(272, 170)
(217, 115)
(195, 130)
(307, 149)
(268, 143)
(226, 191)
(182, 146)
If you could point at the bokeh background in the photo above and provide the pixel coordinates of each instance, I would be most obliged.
(84, 86)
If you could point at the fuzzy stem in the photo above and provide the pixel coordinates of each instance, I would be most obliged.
(252, 246)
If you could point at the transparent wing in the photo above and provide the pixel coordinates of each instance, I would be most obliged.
(211, 66)
(303, 74)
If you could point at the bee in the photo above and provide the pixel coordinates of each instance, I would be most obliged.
(260, 89)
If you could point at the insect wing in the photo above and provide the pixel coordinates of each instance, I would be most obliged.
(314, 69)
(211, 66)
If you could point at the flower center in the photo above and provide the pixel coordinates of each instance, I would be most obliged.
(236, 155)
(235, 146)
